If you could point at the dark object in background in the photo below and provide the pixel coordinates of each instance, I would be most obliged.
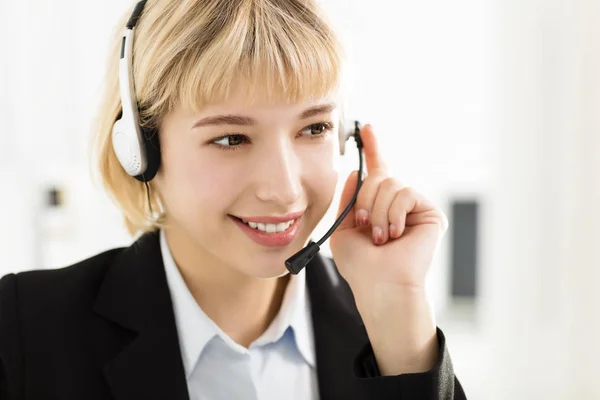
(54, 197)
(464, 248)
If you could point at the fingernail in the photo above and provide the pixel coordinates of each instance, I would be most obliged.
(362, 217)
(377, 235)
(393, 231)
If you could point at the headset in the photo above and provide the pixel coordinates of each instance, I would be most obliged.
(138, 148)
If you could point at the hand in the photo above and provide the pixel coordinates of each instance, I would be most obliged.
(384, 249)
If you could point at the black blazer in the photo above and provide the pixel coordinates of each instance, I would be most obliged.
(104, 329)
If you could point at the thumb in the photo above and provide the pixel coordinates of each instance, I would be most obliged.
(347, 193)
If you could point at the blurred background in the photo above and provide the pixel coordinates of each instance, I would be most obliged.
(489, 107)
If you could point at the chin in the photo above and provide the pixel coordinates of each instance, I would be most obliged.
(268, 272)
(266, 265)
(268, 262)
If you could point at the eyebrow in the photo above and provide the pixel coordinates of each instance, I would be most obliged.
(242, 120)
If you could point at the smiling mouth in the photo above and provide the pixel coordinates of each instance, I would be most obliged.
(267, 227)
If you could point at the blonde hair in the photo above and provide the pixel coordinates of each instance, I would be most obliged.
(192, 52)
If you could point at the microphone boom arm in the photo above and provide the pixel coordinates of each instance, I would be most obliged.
(298, 261)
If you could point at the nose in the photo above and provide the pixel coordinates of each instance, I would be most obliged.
(279, 179)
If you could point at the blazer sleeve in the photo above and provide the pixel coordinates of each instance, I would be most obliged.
(439, 383)
(11, 366)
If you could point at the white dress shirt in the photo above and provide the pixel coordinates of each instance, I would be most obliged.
(280, 364)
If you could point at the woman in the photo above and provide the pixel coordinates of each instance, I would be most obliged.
(239, 112)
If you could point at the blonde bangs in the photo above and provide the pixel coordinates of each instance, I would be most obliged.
(192, 53)
(281, 51)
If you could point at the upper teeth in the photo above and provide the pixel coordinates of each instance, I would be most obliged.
(270, 228)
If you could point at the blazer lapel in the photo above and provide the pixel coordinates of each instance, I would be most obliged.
(135, 295)
(338, 330)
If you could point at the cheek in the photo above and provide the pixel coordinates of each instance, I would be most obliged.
(207, 182)
(190, 182)
(322, 170)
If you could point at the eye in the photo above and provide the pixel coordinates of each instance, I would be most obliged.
(235, 141)
(318, 130)
(229, 142)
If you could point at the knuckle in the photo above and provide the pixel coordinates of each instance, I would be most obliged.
(396, 212)
(366, 195)
(389, 183)
(363, 199)
(409, 191)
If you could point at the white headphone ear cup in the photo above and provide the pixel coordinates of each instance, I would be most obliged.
(342, 139)
(343, 136)
(127, 149)
(120, 148)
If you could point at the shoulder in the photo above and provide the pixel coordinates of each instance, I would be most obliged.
(39, 292)
(46, 313)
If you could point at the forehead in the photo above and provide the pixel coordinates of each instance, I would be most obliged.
(259, 109)
(267, 105)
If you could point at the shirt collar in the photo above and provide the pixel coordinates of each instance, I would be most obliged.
(195, 329)
(294, 313)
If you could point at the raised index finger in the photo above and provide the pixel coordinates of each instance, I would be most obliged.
(373, 156)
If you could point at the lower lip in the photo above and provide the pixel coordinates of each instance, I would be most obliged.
(276, 239)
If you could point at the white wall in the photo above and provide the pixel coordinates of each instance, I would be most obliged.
(540, 306)
(55, 57)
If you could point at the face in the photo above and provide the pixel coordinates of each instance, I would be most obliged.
(235, 160)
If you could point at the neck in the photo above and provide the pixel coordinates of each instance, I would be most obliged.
(242, 306)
